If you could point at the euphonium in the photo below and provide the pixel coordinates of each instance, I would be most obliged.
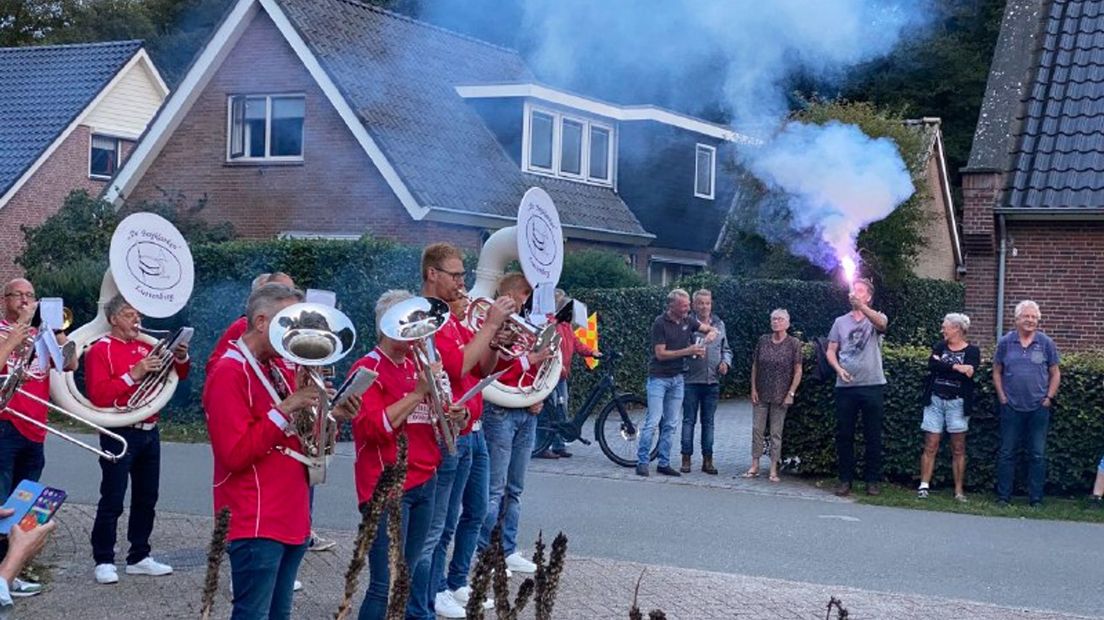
(415, 320)
(153, 382)
(313, 336)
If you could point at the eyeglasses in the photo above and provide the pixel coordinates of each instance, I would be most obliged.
(455, 275)
(30, 296)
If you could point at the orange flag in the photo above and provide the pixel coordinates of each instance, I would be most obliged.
(589, 336)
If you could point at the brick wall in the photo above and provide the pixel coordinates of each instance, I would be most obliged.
(980, 192)
(43, 195)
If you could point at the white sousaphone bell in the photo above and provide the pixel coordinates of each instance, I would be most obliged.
(151, 266)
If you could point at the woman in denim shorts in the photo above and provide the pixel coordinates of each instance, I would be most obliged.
(948, 396)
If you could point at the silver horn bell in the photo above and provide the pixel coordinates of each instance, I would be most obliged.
(311, 334)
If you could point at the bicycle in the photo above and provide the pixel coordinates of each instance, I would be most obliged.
(617, 427)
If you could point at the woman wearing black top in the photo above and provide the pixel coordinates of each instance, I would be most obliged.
(947, 400)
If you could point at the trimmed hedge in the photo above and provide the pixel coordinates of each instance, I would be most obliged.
(1074, 442)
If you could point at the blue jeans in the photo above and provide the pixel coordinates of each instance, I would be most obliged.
(422, 588)
(141, 465)
(555, 411)
(262, 573)
(20, 459)
(703, 396)
(1016, 429)
(510, 437)
(467, 508)
(417, 509)
(664, 407)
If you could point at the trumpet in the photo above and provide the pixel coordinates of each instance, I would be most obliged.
(313, 336)
(20, 369)
(515, 338)
(415, 320)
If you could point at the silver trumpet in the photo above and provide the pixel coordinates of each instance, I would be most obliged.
(416, 320)
(20, 368)
(313, 336)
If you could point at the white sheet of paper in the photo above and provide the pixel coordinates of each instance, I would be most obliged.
(49, 309)
(47, 349)
(544, 303)
(185, 336)
(320, 296)
(579, 314)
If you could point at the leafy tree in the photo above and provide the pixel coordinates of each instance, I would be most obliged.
(597, 269)
(26, 22)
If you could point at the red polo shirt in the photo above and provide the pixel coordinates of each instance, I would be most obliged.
(375, 438)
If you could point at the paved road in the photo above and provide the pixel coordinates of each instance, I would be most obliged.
(1033, 564)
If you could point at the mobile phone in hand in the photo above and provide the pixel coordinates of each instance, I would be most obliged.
(34, 504)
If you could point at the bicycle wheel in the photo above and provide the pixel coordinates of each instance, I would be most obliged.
(618, 429)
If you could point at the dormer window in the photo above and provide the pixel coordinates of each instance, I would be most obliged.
(704, 171)
(572, 147)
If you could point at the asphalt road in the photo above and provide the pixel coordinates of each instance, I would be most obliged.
(1011, 562)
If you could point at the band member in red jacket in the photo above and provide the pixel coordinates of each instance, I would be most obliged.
(460, 503)
(21, 443)
(114, 367)
(396, 403)
(510, 436)
(237, 328)
(251, 403)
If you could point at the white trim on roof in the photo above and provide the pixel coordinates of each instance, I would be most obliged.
(139, 58)
(602, 108)
(592, 233)
(194, 82)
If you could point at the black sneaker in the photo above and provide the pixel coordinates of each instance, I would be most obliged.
(843, 490)
(1096, 502)
(563, 454)
(873, 489)
(642, 470)
(667, 470)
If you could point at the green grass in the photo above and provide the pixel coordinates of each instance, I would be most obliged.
(184, 432)
(985, 504)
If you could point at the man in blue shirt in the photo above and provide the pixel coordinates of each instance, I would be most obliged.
(1026, 377)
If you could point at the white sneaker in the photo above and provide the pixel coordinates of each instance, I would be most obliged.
(298, 585)
(107, 573)
(149, 566)
(446, 605)
(517, 563)
(463, 594)
(22, 589)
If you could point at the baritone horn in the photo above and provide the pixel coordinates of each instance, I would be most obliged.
(416, 320)
(313, 336)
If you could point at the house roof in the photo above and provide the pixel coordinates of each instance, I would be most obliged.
(1044, 106)
(400, 77)
(930, 128)
(43, 89)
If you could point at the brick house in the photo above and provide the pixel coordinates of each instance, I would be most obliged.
(942, 257)
(1034, 185)
(334, 118)
(69, 115)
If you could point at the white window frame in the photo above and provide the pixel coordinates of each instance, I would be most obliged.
(118, 154)
(556, 170)
(712, 173)
(268, 129)
(663, 263)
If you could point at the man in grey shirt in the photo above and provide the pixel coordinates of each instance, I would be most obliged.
(703, 387)
(855, 352)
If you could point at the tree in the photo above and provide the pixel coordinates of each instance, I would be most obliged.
(27, 22)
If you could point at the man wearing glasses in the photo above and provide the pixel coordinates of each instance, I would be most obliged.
(21, 442)
(460, 499)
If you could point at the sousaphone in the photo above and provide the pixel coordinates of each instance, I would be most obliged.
(151, 266)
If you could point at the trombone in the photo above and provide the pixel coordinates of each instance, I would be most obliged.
(19, 364)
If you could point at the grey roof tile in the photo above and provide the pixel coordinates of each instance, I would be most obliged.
(1058, 159)
(400, 77)
(42, 89)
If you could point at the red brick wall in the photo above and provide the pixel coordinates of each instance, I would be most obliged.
(42, 195)
(336, 189)
(980, 191)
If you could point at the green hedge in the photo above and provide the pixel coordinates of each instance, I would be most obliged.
(1074, 444)
(625, 317)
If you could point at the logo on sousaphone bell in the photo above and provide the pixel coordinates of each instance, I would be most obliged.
(154, 265)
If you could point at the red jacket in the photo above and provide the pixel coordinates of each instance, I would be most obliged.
(37, 383)
(569, 346)
(451, 340)
(265, 489)
(107, 367)
(232, 333)
(374, 436)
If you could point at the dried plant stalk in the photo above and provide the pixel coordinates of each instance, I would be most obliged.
(841, 611)
(388, 488)
(657, 614)
(215, 551)
(634, 611)
(400, 575)
(480, 583)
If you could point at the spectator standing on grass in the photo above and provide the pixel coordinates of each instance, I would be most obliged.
(948, 400)
(703, 385)
(775, 375)
(855, 353)
(672, 343)
(1026, 378)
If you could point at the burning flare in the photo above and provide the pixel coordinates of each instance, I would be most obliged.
(849, 268)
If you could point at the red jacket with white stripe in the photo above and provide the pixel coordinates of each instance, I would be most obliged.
(107, 367)
(375, 438)
(265, 489)
(37, 383)
(451, 340)
(232, 333)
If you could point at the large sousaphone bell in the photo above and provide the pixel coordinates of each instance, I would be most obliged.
(313, 336)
